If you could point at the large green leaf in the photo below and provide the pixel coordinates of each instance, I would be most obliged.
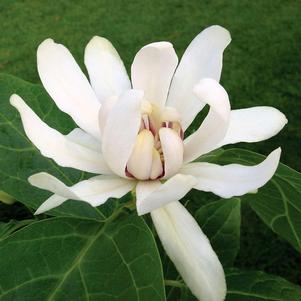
(258, 286)
(220, 221)
(74, 259)
(247, 286)
(7, 228)
(278, 203)
(19, 158)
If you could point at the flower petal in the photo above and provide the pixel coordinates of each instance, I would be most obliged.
(202, 59)
(48, 182)
(106, 70)
(172, 147)
(214, 127)
(152, 194)
(105, 110)
(157, 168)
(190, 250)
(52, 144)
(81, 137)
(52, 202)
(233, 179)
(94, 191)
(68, 86)
(140, 162)
(121, 129)
(152, 71)
(253, 125)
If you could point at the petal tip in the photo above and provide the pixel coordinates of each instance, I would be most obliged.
(277, 153)
(100, 43)
(46, 43)
(98, 38)
(158, 45)
(283, 119)
(15, 100)
(210, 91)
(140, 211)
(36, 178)
(39, 211)
(221, 32)
(278, 116)
(31, 179)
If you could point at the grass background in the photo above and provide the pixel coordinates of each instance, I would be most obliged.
(262, 66)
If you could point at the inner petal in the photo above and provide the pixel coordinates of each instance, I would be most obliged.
(172, 148)
(140, 161)
(158, 151)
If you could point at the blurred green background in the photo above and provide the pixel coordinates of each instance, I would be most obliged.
(262, 66)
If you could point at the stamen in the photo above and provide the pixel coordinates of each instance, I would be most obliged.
(152, 126)
(147, 161)
(145, 120)
(142, 127)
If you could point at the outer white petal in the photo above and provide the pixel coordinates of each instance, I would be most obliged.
(106, 70)
(172, 147)
(233, 179)
(94, 191)
(121, 129)
(68, 86)
(202, 59)
(52, 144)
(105, 110)
(152, 194)
(214, 127)
(81, 137)
(152, 71)
(191, 252)
(253, 125)
(52, 202)
(44, 180)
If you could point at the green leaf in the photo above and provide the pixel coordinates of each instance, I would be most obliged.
(220, 221)
(74, 259)
(258, 286)
(8, 228)
(278, 202)
(247, 286)
(19, 158)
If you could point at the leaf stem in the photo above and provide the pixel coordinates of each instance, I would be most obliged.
(129, 205)
(173, 283)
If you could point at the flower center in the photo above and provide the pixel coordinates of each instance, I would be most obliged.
(159, 144)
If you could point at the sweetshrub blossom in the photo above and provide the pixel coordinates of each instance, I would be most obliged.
(131, 134)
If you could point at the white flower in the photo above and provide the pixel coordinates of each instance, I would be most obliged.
(131, 133)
